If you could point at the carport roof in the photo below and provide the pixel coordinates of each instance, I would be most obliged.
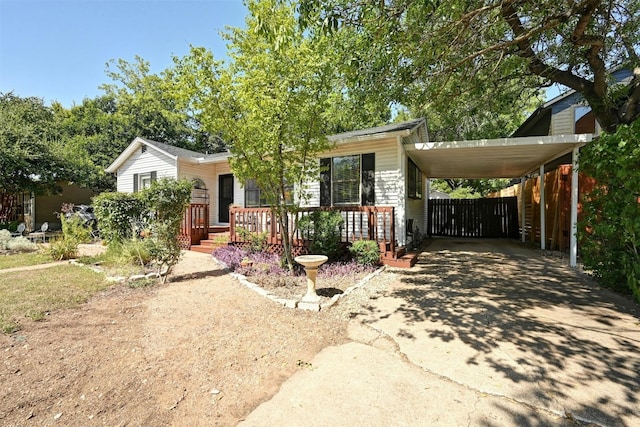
(491, 158)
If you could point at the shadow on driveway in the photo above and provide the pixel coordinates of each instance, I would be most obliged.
(506, 320)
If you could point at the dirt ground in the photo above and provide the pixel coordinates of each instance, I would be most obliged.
(200, 350)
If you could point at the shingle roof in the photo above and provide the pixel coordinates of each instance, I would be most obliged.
(393, 127)
(183, 153)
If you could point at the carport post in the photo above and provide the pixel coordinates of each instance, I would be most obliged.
(573, 241)
(523, 180)
(543, 223)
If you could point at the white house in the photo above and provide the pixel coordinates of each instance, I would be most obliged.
(368, 167)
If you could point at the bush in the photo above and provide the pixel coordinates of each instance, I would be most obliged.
(117, 213)
(324, 229)
(63, 248)
(5, 238)
(609, 231)
(365, 252)
(74, 232)
(21, 244)
(257, 241)
(17, 244)
(158, 210)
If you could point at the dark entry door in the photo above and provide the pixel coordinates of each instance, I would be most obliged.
(225, 196)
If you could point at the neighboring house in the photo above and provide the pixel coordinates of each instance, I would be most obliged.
(35, 210)
(368, 167)
(566, 114)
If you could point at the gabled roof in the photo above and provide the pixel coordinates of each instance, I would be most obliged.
(386, 131)
(622, 75)
(170, 151)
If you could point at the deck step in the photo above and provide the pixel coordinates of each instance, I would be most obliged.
(202, 249)
(407, 260)
(218, 229)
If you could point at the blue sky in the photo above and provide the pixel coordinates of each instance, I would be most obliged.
(57, 49)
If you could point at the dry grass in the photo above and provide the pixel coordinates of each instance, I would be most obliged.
(34, 293)
(23, 259)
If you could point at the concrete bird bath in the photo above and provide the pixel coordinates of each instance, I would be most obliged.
(311, 263)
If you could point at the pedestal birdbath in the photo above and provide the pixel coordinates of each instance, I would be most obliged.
(311, 264)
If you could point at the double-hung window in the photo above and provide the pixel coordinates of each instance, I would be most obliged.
(414, 178)
(348, 180)
(254, 198)
(143, 180)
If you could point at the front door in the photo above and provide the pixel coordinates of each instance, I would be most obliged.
(225, 196)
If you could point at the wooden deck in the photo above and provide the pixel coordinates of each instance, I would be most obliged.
(360, 223)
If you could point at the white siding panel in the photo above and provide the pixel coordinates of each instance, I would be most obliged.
(150, 161)
(207, 173)
(563, 122)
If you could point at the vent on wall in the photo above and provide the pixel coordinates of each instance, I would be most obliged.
(143, 149)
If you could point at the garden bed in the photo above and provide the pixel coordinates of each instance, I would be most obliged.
(266, 271)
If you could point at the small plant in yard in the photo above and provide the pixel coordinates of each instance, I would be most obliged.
(74, 232)
(230, 255)
(324, 229)
(365, 252)
(15, 244)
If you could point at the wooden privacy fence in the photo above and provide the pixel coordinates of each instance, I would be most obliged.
(473, 217)
(360, 223)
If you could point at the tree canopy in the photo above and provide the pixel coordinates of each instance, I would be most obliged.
(490, 55)
(271, 104)
(27, 161)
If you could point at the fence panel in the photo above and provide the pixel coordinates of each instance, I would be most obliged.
(497, 217)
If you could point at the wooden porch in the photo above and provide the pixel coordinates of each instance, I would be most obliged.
(360, 223)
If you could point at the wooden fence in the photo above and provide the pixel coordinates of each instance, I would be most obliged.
(473, 217)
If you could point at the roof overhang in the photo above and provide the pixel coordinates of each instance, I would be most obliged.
(492, 158)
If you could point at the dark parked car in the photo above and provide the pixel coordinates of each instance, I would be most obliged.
(86, 215)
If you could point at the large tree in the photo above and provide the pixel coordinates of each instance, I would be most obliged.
(270, 104)
(27, 161)
(485, 52)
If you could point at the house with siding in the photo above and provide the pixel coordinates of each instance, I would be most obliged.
(368, 173)
(566, 114)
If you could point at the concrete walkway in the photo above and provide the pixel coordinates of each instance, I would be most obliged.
(480, 332)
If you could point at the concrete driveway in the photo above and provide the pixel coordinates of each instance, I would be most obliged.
(479, 332)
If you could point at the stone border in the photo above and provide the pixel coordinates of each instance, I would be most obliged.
(295, 303)
(117, 279)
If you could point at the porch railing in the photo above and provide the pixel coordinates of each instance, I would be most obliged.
(360, 222)
(195, 224)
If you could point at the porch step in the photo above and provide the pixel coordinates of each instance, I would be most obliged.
(214, 241)
(407, 260)
(218, 229)
(205, 249)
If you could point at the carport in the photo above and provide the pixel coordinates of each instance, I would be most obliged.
(521, 158)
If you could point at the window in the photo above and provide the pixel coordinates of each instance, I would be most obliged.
(143, 180)
(253, 197)
(347, 180)
(414, 184)
(251, 194)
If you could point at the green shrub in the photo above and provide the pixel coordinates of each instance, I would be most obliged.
(324, 229)
(73, 233)
(609, 231)
(117, 214)
(63, 248)
(365, 252)
(257, 241)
